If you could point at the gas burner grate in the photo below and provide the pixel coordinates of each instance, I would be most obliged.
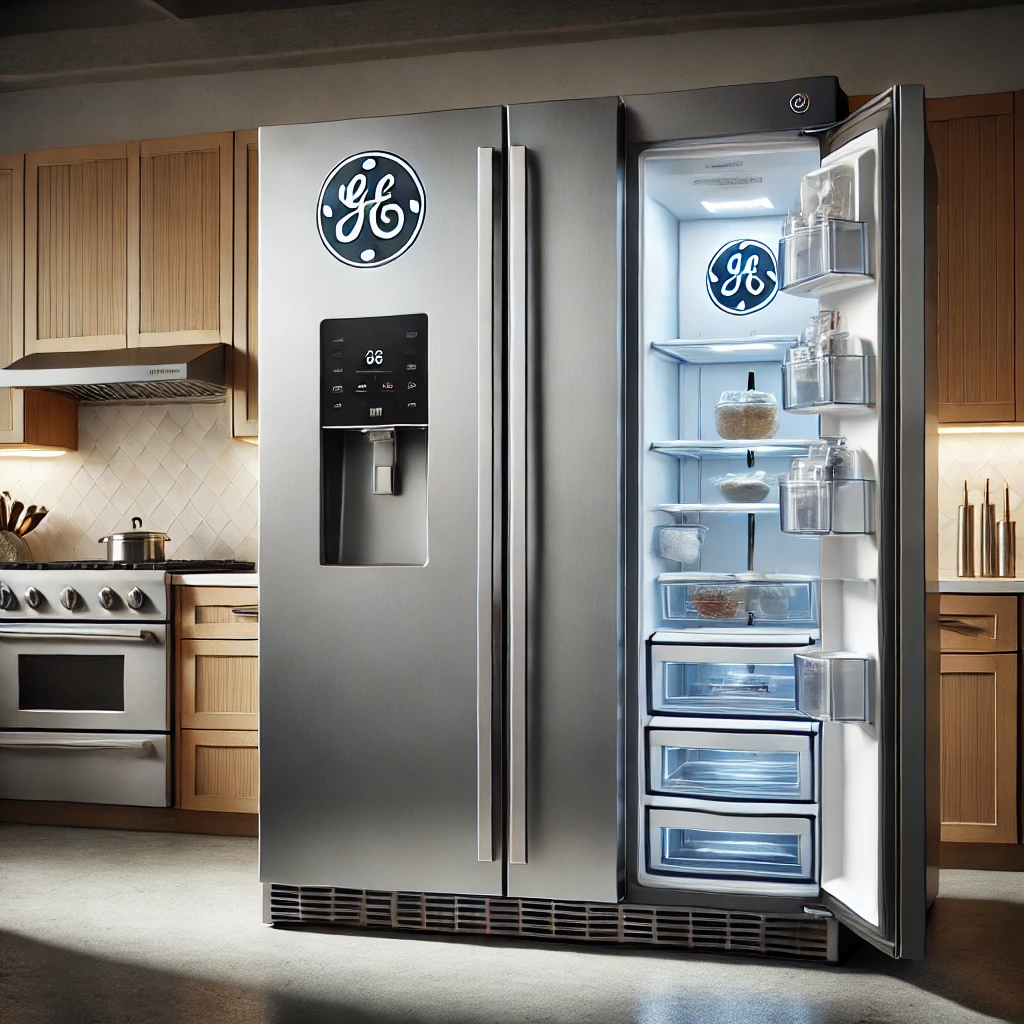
(699, 929)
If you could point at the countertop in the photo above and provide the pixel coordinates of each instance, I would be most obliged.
(216, 579)
(981, 585)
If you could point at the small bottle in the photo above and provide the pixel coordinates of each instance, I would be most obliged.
(965, 538)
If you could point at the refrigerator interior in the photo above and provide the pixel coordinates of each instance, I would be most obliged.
(718, 645)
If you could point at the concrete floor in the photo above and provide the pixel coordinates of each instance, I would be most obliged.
(104, 927)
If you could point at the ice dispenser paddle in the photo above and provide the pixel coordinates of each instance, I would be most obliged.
(373, 438)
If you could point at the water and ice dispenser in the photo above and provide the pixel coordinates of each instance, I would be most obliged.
(373, 440)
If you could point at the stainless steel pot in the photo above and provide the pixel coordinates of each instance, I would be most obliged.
(136, 545)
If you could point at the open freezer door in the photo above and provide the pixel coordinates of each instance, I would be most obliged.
(879, 800)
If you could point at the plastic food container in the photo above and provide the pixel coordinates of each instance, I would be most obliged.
(739, 599)
(743, 486)
(682, 543)
(746, 415)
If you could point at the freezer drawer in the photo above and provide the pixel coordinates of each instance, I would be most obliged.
(730, 846)
(682, 682)
(132, 769)
(766, 767)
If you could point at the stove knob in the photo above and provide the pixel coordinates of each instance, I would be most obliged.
(136, 598)
(108, 599)
(69, 598)
(7, 598)
(33, 597)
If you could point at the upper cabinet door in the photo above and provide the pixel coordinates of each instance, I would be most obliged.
(244, 377)
(183, 292)
(12, 343)
(76, 254)
(972, 138)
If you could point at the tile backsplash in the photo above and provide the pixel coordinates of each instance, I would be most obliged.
(176, 466)
(973, 457)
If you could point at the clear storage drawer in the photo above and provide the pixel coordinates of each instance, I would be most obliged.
(730, 846)
(731, 766)
(697, 599)
(763, 685)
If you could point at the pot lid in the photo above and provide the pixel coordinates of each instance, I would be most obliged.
(135, 534)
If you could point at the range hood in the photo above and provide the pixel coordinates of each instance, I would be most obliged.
(176, 373)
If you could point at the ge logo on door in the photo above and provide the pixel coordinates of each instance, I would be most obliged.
(371, 209)
(743, 277)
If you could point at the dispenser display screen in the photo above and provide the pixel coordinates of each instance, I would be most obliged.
(373, 371)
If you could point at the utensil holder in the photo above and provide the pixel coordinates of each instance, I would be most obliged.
(834, 686)
(13, 548)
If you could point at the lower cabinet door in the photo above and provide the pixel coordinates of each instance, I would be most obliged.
(978, 744)
(219, 770)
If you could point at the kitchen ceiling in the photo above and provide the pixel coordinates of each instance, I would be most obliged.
(67, 42)
(27, 17)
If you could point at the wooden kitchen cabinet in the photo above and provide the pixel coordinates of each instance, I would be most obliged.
(218, 684)
(980, 255)
(245, 375)
(219, 770)
(218, 613)
(217, 691)
(979, 637)
(77, 241)
(32, 419)
(978, 714)
(185, 244)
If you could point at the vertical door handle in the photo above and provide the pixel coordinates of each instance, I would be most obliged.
(517, 508)
(485, 503)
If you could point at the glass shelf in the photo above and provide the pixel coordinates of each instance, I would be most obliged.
(754, 349)
(766, 448)
(750, 507)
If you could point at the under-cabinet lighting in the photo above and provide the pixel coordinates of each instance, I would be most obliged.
(764, 203)
(1009, 428)
(32, 453)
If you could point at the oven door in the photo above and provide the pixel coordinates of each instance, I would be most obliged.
(84, 676)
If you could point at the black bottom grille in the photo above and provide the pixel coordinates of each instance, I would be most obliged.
(700, 929)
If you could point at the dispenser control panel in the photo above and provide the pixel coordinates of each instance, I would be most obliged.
(373, 371)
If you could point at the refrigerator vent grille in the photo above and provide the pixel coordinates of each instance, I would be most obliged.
(681, 927)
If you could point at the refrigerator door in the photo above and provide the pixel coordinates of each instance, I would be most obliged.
(380, 768)
(879, 780)
(565, 573)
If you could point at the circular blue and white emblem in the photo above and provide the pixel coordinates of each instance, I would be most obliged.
(371, 209)
(743, 277)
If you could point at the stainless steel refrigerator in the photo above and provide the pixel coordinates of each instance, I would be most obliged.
(463, 607)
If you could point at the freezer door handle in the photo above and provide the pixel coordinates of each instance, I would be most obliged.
(485, 504)
(517, 506)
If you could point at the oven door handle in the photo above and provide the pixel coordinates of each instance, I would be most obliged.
(134, 748)
(138, 636)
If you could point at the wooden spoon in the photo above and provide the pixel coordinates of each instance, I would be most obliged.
(30, 522)
(12, 519)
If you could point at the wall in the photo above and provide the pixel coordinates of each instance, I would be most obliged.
(951, 54)
(174, 465)
(973, 457)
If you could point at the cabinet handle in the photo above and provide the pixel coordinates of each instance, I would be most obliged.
(965, 627)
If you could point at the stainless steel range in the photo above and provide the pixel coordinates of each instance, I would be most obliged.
(85, 704)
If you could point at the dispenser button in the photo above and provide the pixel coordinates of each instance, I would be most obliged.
(411, 385)
(410, 405)
(338, 388)
(387, 385)
(411, 367)
(362, 387)
(376, 412)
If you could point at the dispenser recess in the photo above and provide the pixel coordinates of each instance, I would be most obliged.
(373, 440)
